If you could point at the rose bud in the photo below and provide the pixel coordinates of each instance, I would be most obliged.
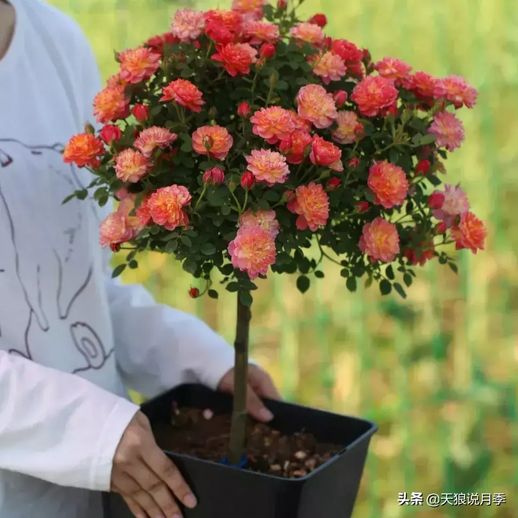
(423, 166)
(366, 56)
(282, 4)
(436, 200)
(333, 183)
(353, 163)
(243, 109)
(318, 19)
(362, 206)
(214, 176)
(267, 50)
(115, 247)
(441, 228)
(110, 133)
(194, 292)
(247, 180)
(340, 97)
(140, 111)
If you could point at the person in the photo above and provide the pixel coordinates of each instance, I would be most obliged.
(72, 339)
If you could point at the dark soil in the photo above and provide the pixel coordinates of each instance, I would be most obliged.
(202, 434)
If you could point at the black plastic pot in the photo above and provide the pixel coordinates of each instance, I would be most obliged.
(228, 492)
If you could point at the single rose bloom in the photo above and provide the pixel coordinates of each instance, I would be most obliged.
(295, 146)
(423, 85)
(329, 67)
(311, 204)
(114, 230)
(347, 50)
(258, 32)
(316, 105)
(470, 233)
(236, 58)
(456, 90)
(447, 130)
(393, 68)
(184, 93)
(454, 204)
(253, 250)
(380, 240)
(326, 154)
(264, 218)
(267, 166)
(308, 33)
(223, 26)
(213, 141)
(166, 206)
(131, 165)
(253, 8)
(214, 176)
(188, 24)
(273, 124)
(349, 128)
(389, 184)
(152, 138)
(83, 150)
(111, 104)
(374, 95)
(138, 64)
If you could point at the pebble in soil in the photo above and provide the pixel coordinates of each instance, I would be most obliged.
(205, 435)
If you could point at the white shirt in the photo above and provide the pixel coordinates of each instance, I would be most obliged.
(71, 338)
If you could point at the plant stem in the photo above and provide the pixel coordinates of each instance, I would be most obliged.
(238, 427)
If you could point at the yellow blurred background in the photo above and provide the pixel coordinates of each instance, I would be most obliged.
(437, 372)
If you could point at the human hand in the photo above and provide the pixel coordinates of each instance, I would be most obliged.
(260, 384)
(145, 477)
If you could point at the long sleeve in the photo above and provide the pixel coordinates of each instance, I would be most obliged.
(56, 426)
(157, 346)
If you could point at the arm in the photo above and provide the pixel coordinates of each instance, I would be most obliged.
(58, 427)
(158, 346)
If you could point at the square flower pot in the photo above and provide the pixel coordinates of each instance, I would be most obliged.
(227, 492)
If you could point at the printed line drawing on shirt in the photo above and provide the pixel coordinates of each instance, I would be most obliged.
(44, 273)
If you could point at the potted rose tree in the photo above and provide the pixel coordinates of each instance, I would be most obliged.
(244, 141)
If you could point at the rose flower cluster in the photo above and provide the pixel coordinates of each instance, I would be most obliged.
(246, 139)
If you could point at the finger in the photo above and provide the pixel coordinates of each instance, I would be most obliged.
(147, 503)
(168, 472)
(263, 384)
(255, 406)
(135, 508)
(159, 491)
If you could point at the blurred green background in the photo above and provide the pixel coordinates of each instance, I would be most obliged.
(437, 372)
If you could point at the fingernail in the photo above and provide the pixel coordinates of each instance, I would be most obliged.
(176, 516)
(190, 501)
(265, 414)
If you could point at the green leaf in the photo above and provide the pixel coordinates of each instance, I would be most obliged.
(208, 249)
(319, 274)
(407, 279)
(68, 198)
(401, 291)
(303, 283)
(245, 298)
(385, 287)
(213, 294)
(389, 272)
(133, 264)
(232, 286)
(186, 241)
(453, 267)
(118, 270)
(171, 246)
(190, 266)
(351, 284)
(426, 139)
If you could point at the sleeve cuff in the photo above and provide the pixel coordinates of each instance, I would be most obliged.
(109, 438)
